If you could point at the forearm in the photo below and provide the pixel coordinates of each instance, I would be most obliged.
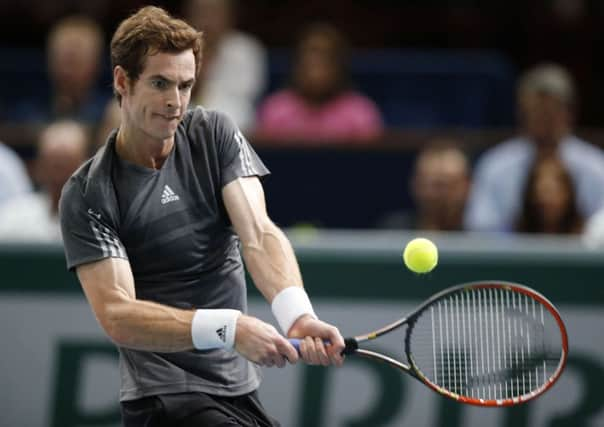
(145, 325)
(271, 261)
(149, 326)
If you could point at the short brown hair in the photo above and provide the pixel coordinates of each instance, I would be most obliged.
(149, 31)
(80, 23)
(551, 79)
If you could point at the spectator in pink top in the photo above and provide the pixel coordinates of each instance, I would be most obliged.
(320, 105)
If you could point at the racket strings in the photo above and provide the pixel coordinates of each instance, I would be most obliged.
(487, 343)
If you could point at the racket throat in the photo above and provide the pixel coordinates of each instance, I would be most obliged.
(351, 346)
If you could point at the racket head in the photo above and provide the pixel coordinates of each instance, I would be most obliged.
(489, 343)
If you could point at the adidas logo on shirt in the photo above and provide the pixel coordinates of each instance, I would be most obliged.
(221, 332)
(168, 196)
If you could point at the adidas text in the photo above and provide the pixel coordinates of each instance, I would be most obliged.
(168, 195)
(221, 332)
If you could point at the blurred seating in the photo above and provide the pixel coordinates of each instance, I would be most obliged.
(221, 84)
(319, 102)
(33, 216)
(428, 88)
(30, 87)
(439, 187)
(14, 180)
(549, 202)
(546, 104)
(25, 69)
(335, 187)
(413, 88)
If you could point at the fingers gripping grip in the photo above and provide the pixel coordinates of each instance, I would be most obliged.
(351, 345)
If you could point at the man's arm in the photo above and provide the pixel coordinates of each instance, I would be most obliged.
(144, 325)
(272, 264)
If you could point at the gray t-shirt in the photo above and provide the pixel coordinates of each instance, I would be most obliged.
(172, 226)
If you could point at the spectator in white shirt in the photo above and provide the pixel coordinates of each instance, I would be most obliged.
(14, 179)
(234, 71)
(546, 100)
(33, 217)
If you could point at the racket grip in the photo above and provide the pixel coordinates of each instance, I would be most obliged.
(351, 345)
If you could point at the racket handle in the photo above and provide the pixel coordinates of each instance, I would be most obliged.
(351, 345)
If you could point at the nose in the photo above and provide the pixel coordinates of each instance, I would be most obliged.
(173, 99)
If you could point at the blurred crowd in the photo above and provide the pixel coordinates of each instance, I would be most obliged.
(544, 179)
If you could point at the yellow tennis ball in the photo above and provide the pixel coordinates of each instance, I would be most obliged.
(420, 255)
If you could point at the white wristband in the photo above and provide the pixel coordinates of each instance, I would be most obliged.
(289, 305)
(214, 328)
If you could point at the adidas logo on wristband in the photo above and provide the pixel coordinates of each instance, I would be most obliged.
(221, 332)
(214, 328)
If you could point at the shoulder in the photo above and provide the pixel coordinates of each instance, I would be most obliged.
(13, 174)
(207, 131)
(91, 185)
(7, 154)
(27, 204)
(582, 157)
(205, 120)
(504, 155)
(282, 96)
(593, 235)
(575, 146)
(72, 194)
(237, 41)
(10, 159)
(282, 102)
(356, 98)
(77, 183)
(356, 101)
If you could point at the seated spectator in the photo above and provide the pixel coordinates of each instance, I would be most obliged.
(546, 100)
(234, 71)
(593, 234)
(33, 217)
(320, 104)
(14, 179)
(549, 201)
(74, 52)
(111, 120)
(439, 188)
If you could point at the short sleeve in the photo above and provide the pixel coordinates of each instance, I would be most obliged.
(87, 237)
(13, 176)
(237, 157)
(482, 213)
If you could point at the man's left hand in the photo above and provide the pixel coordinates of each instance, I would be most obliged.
(320, 342)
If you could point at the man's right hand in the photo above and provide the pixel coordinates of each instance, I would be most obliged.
(261, 343)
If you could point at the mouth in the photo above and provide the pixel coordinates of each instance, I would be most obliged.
(168, 118)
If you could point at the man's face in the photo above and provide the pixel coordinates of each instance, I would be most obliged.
(551, 192)
(545, 117)
(213, 17)
(73, 60)
(156, 102)
(441, 181)
(317, 68)
(62, 150)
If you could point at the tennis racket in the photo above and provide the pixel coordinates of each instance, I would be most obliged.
(483, 343)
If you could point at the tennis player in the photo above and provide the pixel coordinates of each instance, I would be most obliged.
(154, 224)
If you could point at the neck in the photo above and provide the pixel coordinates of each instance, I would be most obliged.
(548, 144)
(140, 149)
(445, 218)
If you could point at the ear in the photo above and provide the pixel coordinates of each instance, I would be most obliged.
(121, 82)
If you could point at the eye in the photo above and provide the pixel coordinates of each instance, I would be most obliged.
(159, 84)
(186, 86)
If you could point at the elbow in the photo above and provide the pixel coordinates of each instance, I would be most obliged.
(112, 323)
(255, 235)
